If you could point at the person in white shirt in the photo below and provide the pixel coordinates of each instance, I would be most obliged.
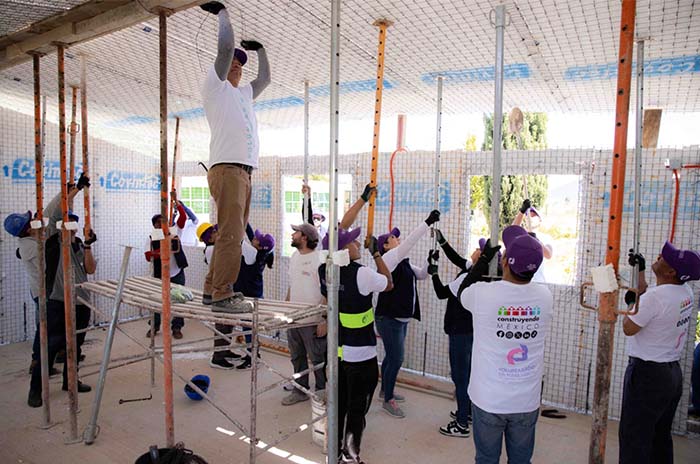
(511, 320)
(656, 334)
(233, 154)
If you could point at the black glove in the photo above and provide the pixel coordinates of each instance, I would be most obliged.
(92, 238)
(270, 260)
(433, 217)
(433, 256)
(372, 245)
(525, 206)
(213, 7)
(432, 269)
(636, 259)
(251, 45)
(83, 181)
(369, 190)
(440, 238)
(480, 268)
(630, 297)
(489, 252)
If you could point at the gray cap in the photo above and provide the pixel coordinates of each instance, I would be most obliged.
(308, 230)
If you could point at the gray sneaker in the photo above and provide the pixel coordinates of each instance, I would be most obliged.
(293, 398)
(232, 305)
(398, 398)
(206, 299)
(393, 409)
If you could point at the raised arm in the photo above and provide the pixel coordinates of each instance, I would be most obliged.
(394, 256)
(450, 252)
(351, 214)
(226, 41)
(307, 213)
(263, 78)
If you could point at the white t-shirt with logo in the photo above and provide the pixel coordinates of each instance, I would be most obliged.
(234, 129)
(304, 282)
(511, 323)
(664, 315)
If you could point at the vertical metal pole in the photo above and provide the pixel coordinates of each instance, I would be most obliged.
(608, 301)
(165, 243)
(332, 271)
(497, 136)
(84, 140)
(382, 24)
(254, 385)
(306, 133)
(69, 307)
(39, 168)
(638, 157)
(176, 148)
(438, 142)
(91, 430)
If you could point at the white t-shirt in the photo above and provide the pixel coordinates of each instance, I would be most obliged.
(511, 323)
(30, 259)
(234, 129)
(304, 282)
(664, 315)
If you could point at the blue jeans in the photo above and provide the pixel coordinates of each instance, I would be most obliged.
(460, 369)
(393, 335)
(519, 430)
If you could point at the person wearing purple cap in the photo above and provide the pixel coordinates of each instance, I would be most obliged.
(656, 334)
(511, 320)
(396, 308)
(233, 154)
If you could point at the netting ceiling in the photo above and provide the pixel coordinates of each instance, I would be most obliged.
(559, 56)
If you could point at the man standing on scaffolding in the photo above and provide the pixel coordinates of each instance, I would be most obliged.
(233, 154)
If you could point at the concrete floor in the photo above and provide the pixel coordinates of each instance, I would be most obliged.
(127, 430)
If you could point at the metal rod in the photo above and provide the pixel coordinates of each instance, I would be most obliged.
(165, 243)
(438, 142)
(331, 269)
(254, 384)
(69, 307)
(306, 134)
(497, 136)
(176, 148)
(401, 131)
(382, 24)
(73, 132)
(87, 207)
(91, 430)
(638, 158)
(608, 301)
(40, 243)
(152, 345)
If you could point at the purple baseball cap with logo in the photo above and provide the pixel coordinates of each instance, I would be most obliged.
(266, 241)
(241, 56)
(523, 252)
(686, 263)
(345, 237)
(381, 240)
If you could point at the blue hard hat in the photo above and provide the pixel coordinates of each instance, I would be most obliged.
(202, 381)
(73, 217)
(15, 223)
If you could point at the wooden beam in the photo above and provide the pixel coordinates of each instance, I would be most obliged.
(652, 125)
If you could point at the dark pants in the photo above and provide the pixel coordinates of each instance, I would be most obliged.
(356, 385)
(695, 381)
(177, 322)
(460, 370)
(649, 399)
(393, 333)
(227, 330)
(303, 343)
(56, 326)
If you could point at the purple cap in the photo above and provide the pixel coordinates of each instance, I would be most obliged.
(381, 240)
(686, 263)
(345, 237)
(266, 241)
(308, 230)
(241, 56)
(524, 252)
(482, 244)
(534, 213)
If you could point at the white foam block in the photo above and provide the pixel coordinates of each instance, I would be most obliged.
(71, 225)
(36, 224)
(46, 222)
(341, 257)
(59, 225)
(157, 234)
(604, 280)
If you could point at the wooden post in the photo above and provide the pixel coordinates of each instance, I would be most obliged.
(73, 132)
(84, 140)
(175, 153)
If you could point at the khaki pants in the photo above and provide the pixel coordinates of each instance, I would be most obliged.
(230, 187)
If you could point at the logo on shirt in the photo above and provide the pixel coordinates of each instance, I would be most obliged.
(510, 334)
(685, 303)
(519, 311)
(517, 355)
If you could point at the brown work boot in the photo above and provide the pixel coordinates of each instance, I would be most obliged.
(149, 334)
(177, 334)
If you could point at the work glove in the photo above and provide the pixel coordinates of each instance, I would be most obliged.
(525, 206)
(213, 7)
(630, 297)
(152, 255)
(83, 181)
(432, 269)
(481, 267)
(367, 193)
(433, 256)
(91, 238)
(636, 259)
(489, 252)
(440, 238)
(270, 260)
(251, 45)
(433, 217)
(372, 245)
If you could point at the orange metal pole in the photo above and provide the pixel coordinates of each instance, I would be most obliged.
(84, 140)
(69, 307)
(172, 182)
(73, 132)
(383, 25)
(165, 243)
(608, 301)
(39, 169)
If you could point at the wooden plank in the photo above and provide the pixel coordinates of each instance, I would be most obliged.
(652, 125)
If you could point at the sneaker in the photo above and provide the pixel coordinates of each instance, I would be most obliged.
(321, 395)
(455, 429)
(148, 334)
(344, 457)
(177, 334)
(398, 398)
(293, 398)
(221, 363)
(232, 305)
(288, 387)
(393, 409)
(82, 388)
(206, 299)
(453, 415)
(34, 399)
(230, 355)
(246, 364)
